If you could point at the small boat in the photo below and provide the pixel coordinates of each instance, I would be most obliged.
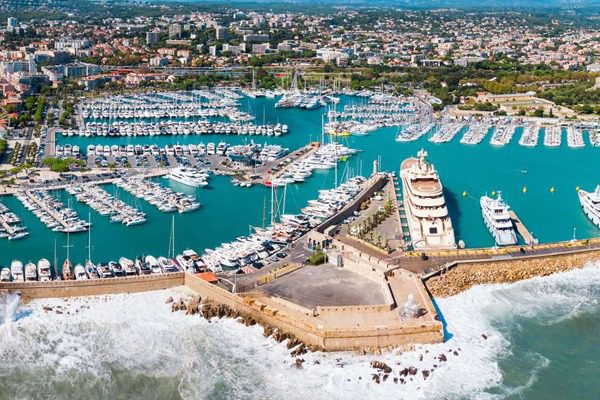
(128, 266)
(167, 265)
(116, 268)
(43, 270)
(104, 271)
(5, 275)
(79, 272)
(16, 271)
(67, 273)
(153, 264)
(142, 266)
(30, 272)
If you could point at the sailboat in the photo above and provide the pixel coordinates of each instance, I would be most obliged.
(90, 268)
(167, 264)
(67, 269)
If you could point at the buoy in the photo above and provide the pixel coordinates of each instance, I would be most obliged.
(524, 189)
(577, 189)
(465, 193)
(552, 189)
(493, 193)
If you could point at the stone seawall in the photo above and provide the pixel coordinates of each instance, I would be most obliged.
(464, 275)
(315, 332)
(94, 287)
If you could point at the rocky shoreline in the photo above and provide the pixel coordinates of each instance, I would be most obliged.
(209, 309)
(465, 276)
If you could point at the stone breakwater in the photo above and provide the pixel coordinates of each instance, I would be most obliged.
(465, 275)
(209, 309)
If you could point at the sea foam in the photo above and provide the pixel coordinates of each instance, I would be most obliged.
(96, 341)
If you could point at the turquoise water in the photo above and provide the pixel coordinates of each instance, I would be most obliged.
(228, 211)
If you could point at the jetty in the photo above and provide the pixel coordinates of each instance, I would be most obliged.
(51, 212)
(522, 229)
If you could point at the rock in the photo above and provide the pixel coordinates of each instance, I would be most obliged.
(47, 308)
(267, 331)
(402, 381)
(455, 353)
(385, 376)
(169, 300)
(375, 378)
(58, 312)
(442, 357)
(412, 371)
(395, 380)
(420, 357)
(299, 362)
(425, 374)
(381, 366)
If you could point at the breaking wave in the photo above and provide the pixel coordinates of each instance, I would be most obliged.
(133, 346)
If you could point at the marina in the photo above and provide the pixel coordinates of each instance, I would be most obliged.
(10, 224)
(52, 212)
(249, 163)
(530, 136)
(164, 199)
(107, 205)
(552, 136)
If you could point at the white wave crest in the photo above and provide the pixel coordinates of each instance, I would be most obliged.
(100, 338)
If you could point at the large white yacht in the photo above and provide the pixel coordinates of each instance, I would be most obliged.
(590, 203)
(497, 219)
(426, 212)
(188, 176)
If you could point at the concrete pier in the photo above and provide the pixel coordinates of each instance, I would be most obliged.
(522, 229)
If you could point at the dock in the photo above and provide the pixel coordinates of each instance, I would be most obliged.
(56, 216)
(9, 229)
(273, 169)
(522, 229)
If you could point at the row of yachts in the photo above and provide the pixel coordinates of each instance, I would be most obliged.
(251, 251)
(162, 105)
(107, 205)
(174, 128)
(10, 225)
(163, 198)
(167, 111)
(52, 212)
(115, 150)
(325, 157)
(266, 152)
(502, 133)
(43, 271)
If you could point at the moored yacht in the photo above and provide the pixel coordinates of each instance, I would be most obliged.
(426, 212)
(43, 270)
(79, 272)
(16, 271)
(30, 272)
(498, 221)
(590, 204)
(188, 176)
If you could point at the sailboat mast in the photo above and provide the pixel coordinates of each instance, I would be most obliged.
(283, 206)
(90, 237)
(264, 218)
(55, 260)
